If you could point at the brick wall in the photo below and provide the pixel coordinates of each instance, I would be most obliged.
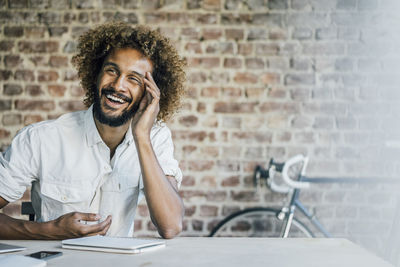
(265, 79)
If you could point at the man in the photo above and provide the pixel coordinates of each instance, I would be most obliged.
(89, 169)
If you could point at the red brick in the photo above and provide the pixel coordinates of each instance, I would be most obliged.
(5, 104)
(190, 33)
(210, 151)
(58, 61)
(231, 91)
(11, 61)
(24, 75)
(12, 89)
(33, 90)
(212, 5)
(255, 63)
(252, 137)
(197, 225)
(230, 181)
(5, 75)
(208, 211)
(29, 119)
(4, 133)
(245, 77)
(11, 119)
(193, 47)
(206, 18)
(16, 31)
(201, 165)
(201, 107)
(245, 49)
(18, 4)
(245, 196)
(267, 49)
(234, 34)
(6, 46)
(254, 92)
(188, 121)
(71, 75)
(41, 105)
(210, 62)
(235, 18)
(38, 47)
(47, 76)
(208, 181)
(270, 78)
(212, 34)
(233, 63)
(188, 181)
(198, 136)
(188, 194)
(155, 18)
(56, 90)
(40, 61)
(76, 90)
(210, 92)
(228, 166)
(216, 196)
(179, 18)
(229, 107)
(35, 32)
(197, 77)
(189, 211)
(72, 105)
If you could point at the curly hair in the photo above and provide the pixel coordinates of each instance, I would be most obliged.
(168, 72)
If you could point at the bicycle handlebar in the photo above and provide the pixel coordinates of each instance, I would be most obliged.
(290, 162)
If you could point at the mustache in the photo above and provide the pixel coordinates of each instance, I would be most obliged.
(109, 90)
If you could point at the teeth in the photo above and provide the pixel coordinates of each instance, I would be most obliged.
(114, 98)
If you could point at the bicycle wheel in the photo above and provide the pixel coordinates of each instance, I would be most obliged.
(257, 222)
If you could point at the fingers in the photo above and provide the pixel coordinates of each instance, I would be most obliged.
(98, 229)
(87, 216)
(151, 86)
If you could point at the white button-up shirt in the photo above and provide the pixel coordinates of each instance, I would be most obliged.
(69, 167)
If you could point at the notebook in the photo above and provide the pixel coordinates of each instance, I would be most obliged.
(9, 248)
(113, 244)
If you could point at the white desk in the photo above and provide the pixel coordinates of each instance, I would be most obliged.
(243, 252)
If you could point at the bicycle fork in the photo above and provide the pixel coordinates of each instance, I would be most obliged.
(286, 215)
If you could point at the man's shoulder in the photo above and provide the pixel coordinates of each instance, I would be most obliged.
(69, 120)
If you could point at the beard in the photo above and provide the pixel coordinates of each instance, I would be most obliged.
(112, 121)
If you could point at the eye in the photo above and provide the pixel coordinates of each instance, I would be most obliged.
(111, 71)
(135, 80)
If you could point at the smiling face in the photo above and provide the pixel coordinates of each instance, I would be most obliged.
(120, 86)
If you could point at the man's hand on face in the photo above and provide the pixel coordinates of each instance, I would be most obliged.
(69, 225)
(148, 109)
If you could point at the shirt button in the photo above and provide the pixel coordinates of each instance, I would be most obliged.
(64, 198)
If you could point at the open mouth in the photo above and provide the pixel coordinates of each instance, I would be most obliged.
(115, 99)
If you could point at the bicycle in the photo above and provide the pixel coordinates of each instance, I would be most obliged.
(281, 222)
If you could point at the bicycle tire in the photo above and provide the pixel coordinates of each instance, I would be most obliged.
(257, 222)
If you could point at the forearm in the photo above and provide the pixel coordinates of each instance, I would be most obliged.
(165, 205)
(20, 229)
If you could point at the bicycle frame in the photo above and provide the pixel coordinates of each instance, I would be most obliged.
(289, 214)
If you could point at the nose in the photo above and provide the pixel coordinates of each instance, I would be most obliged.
(119, 83)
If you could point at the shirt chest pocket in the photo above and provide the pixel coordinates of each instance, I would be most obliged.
(120, 183)
(66, 193)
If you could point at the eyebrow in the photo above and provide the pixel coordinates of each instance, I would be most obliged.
(116, 66)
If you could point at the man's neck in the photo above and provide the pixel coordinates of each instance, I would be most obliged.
(112, 136)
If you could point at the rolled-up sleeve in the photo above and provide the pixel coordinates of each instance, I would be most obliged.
(164, 150)
(19, 165)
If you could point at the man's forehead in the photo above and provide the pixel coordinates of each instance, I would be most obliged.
(128, 58)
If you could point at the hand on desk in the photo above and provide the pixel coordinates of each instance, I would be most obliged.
(69, 225)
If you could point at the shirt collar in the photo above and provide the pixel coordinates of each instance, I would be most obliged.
(92, 134)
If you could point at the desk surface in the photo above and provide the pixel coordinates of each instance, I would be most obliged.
(197, 251)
